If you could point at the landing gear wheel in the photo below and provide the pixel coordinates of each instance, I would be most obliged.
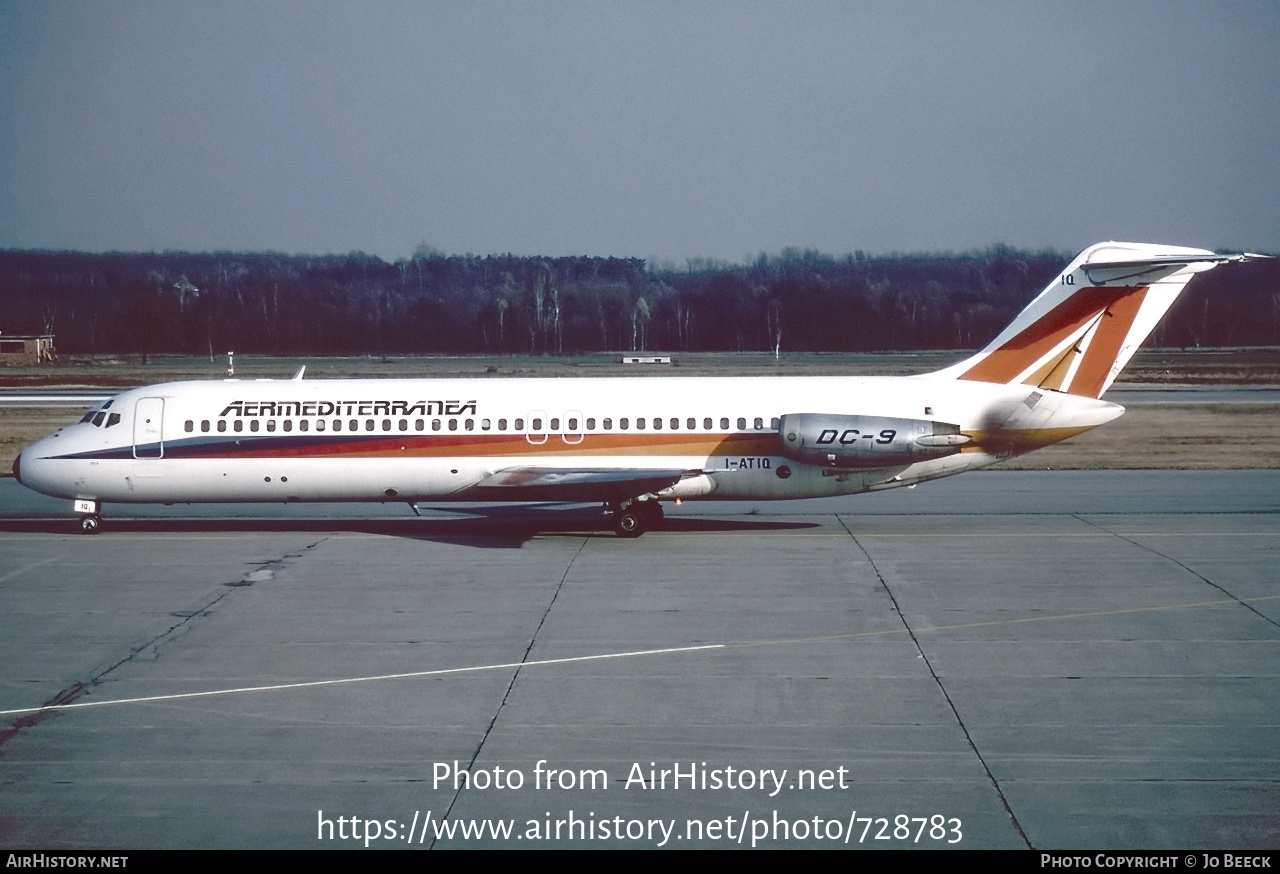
(90, 524)
(629, 522)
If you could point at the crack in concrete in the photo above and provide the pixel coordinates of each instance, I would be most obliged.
(955, 711)
(150, 649)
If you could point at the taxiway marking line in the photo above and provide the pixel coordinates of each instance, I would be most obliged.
(1232, 602)
(23, 570)
(312, 684)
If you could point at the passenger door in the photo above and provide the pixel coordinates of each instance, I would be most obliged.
(148, 436)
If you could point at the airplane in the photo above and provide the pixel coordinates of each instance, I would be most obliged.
(628, 443)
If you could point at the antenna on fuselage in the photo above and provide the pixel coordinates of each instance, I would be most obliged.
(301, 370)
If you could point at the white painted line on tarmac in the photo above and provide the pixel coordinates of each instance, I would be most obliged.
(22, 570)
(278, 687)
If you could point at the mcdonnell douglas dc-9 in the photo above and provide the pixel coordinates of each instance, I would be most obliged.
(626, 443)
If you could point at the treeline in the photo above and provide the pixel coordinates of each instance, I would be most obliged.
(433, 304)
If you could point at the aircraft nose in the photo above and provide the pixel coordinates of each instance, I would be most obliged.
(33, 472)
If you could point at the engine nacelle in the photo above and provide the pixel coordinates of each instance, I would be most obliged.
(866, 441)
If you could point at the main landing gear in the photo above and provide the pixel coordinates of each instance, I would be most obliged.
(633, 518)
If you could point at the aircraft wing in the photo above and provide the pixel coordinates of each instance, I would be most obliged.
(573, 484)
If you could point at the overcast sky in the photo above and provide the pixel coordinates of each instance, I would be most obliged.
(646, 129)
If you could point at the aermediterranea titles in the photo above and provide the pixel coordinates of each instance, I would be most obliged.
(347, 408)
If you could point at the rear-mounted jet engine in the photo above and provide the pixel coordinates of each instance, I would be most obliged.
(866, 441)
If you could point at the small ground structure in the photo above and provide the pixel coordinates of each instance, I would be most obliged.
(23, 349)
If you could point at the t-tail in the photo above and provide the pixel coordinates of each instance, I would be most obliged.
(1081, 331)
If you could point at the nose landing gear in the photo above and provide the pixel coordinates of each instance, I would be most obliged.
(90, 520)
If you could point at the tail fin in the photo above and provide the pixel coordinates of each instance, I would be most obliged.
(1080, 332)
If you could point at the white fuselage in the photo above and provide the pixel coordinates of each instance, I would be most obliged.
(442, 440)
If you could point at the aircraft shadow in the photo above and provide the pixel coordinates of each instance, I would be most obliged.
(504, 528)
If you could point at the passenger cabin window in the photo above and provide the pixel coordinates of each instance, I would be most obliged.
(742, 424)
(724, 424)
(759, 424)
(271, 424)
(238, 425)
(204, 425)
(187, 426)
(253, 425)
(608, 424)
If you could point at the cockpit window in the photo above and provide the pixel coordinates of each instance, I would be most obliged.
(96, 416)
(113, 419)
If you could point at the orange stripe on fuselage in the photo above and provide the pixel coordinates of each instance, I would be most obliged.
(1003, 365)
(1019, 441)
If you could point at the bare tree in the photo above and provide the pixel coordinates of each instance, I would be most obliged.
(640, 325)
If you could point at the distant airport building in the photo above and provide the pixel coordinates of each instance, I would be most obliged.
(26, 349)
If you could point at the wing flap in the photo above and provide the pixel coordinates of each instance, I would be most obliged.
(572, 484)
